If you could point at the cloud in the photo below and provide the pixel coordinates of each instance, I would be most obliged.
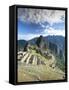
(49, 20)
(43, 26)
(52, 31)
(41, 15)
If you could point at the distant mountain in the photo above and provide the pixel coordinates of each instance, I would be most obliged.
(40, 42)
(21, 44)
(57, 42)
(57, 45)
(33, 41)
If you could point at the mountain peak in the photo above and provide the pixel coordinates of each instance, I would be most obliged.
(40, 41)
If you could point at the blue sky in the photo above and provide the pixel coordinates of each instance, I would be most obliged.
(33, 23)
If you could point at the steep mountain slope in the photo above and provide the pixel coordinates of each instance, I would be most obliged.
(55, 44)
(38, 59)
(21, 44)
(58, 40)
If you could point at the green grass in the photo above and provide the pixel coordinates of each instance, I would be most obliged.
(39, 72)
(60, 63)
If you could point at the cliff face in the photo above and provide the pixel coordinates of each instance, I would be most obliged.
(56, 50)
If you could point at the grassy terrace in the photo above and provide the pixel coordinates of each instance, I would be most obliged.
(39, 72)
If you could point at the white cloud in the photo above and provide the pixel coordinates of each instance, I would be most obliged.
(41, 15)
(42, 25)
(52, 31)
